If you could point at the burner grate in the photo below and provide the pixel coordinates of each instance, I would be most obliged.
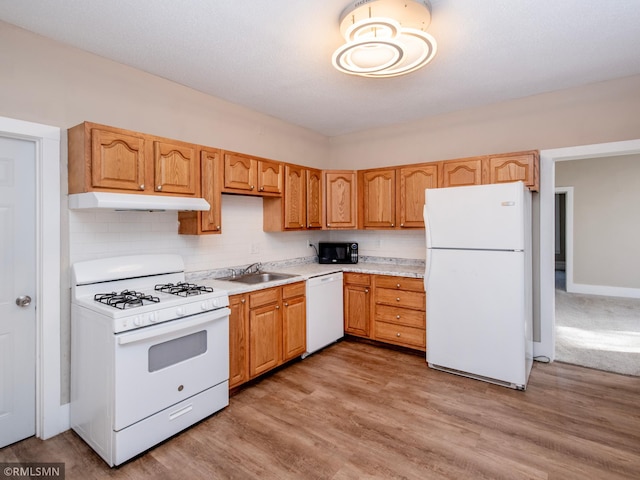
(125, 299)
(183, 289)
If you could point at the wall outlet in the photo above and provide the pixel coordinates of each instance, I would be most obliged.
(309, 243)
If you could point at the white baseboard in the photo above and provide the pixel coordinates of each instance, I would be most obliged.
(604, 290)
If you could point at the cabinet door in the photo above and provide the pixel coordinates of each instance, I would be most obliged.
(210, 171)
(357, 310)
(238, 341)
(294, 197)
(240, 172)
(378, 198)
(511, 168)
(462, 172)
(175, 168)
(265, 339)
(340, 197)
(117, 161)
(269, 177)
(294, 326)
(413, 181)
(314, 198)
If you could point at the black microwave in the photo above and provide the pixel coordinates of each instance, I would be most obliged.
(337, 252)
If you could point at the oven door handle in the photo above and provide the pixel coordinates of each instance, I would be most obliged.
(172, 327)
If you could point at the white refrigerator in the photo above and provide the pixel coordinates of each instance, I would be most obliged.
(478, 281)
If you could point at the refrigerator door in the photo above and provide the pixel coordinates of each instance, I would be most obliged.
(479, 217)
(477, 322)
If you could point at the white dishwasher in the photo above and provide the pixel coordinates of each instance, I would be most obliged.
(325, 323)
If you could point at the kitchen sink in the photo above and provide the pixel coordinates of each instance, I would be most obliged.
(258, 277)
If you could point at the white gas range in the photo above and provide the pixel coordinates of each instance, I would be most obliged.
(150, 353)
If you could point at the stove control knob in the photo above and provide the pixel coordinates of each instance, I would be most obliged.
(137, 321)
(153, 317)
(206, 306)
(181, 312)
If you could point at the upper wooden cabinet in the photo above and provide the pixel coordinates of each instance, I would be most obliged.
(208, 222)
(340, 199)
(175, 167)
(314, 198)
(103, 158)
(512, 167)
(412, 181)
(300, 206)
(394, 198)
(500, 168)
(251, 175)
(458, 173)
(377, 199)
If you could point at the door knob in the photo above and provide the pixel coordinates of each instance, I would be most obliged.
(23, 301)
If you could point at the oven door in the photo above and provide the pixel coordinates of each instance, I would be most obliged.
(159, 366)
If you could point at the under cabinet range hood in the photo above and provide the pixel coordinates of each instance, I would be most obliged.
(132, 202)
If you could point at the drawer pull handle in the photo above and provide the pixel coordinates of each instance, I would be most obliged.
(179, 413)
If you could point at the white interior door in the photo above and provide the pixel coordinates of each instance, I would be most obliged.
(17, 290)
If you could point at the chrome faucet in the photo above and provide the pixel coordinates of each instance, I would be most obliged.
(257, 266)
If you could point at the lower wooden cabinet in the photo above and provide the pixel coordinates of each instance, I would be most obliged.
(386, 308)
(266, 328)
(357, 303)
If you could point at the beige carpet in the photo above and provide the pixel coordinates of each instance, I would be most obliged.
(597, 332)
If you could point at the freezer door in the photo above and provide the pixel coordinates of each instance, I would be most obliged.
(480, 217)
(477, 320)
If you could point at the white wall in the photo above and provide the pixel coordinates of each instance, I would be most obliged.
(606, 219)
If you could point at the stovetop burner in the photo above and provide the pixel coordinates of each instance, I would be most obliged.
(125, 299)
(183, 289)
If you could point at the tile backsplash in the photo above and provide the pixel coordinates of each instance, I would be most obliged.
(100, 234)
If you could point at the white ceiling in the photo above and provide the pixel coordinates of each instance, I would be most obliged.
(274, 56)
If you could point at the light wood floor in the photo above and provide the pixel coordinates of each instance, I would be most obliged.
(356, 411)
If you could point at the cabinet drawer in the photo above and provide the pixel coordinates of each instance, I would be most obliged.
(357, 279)
(264, 297)
(293, 290)
(400, 335)
(401, 316)
(401, 298)
(400, 283)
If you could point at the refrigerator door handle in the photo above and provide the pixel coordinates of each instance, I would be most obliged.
(427, 230)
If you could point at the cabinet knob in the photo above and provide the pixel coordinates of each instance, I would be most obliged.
(309, 226)
(277, 307)
(217, 227)
(402, 224)
(366, 290)
(398, 334)
(397, 285)
(301, 225)
(159, 187)
(261, 189)
(286, 304)
(243, 300)
(252, 187)
(393, 225)
(397, 299)
(142, 186)
(398, 317)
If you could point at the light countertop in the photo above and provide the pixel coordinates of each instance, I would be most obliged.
(305, 271)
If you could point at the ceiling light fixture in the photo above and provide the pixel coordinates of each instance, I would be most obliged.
(385, 38)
